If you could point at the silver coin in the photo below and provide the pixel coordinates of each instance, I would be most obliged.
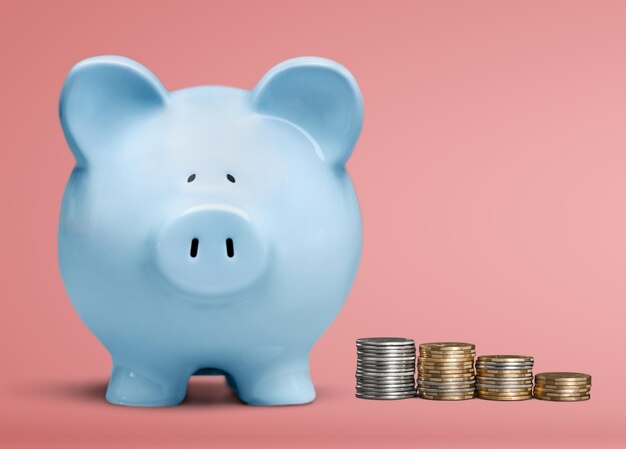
(385, 379)
(386, 368)
(368, 350)
(405, 373)
(391, 364)
(368, 347)
(394, 359)
(385, 365)
(430, 390)
(385, 397)
(385, 387)
(385, 354)
(503, 368)
(386, 362)
(394, 388)
(374, 382)
(385, 341)
(394, 368)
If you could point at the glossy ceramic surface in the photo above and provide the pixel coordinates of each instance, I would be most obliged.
(211, 229)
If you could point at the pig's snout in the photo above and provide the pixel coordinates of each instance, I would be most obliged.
(212, 250)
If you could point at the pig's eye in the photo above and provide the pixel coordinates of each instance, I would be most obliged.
(191, 177)
(230, 177)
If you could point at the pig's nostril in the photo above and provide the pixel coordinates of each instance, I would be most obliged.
(230, 247)
(193, 252)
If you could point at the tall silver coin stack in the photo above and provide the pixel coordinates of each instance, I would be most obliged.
(385, 368)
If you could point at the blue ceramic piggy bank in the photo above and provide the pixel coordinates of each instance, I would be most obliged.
(210, 230)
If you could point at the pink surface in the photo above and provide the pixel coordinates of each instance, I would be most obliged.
(492, 178)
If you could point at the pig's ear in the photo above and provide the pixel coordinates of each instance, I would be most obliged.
(102, 98)
(319, 96)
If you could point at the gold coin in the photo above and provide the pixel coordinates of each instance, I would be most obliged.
(505, 383)
(556, 395)
(506, 358)
(503, 387)
(465, 359)
(524, 392)
(445, 398)
(490, 369)
(505, 398)
(563, 377)
(447, 354)
(552, 388)
(447, 346)
(445, 365)
(445, 372)
(565, 399)
(446, 387)
(448, 394)
(503, 375)
(468, 359)
(446, 351)
(562, 384)
(443, 359)
(559, 389)
(504, 392)
(445, 377)
(446, 359)
(561, 395)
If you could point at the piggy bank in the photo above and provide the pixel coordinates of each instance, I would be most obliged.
(209, 230)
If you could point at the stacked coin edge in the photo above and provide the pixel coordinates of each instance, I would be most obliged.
(385, 368)
(445, 371)
(504, 377)
(562, 387)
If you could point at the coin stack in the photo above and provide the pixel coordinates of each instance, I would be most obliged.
(445, 371)
(504, 377)
(563, 387)
(385, 368)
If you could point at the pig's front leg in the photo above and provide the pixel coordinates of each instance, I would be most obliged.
(147, 386)
(281, 381)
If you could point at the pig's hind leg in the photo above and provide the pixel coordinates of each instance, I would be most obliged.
(282, 381)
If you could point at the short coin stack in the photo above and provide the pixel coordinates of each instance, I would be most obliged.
(385, 368)
(563, 387)
(445, 371)
(504, 377)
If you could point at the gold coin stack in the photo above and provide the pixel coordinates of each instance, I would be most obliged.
(562, 387)
(504, 377)
(445, 371)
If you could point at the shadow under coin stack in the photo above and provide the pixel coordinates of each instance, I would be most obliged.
(504, 377)
(445, 371)
(385, 368)
(563, 387)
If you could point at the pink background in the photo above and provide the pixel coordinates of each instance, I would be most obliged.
(492, 178)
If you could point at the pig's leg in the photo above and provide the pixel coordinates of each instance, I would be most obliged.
(147, 386)
(282, 381)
